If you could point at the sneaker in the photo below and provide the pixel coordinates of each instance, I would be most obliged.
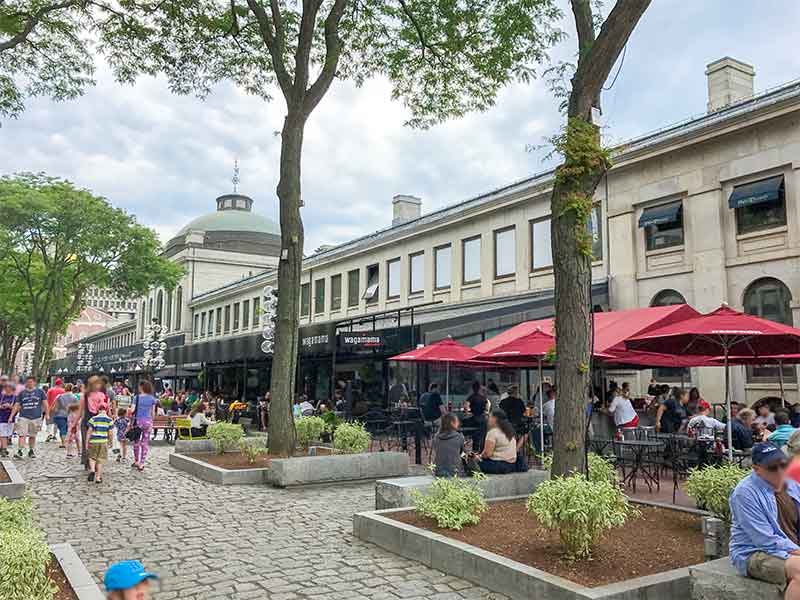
(61, 446)
(90, 477)
(31, 454)
(19, 453)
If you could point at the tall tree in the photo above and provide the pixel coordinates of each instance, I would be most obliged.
(58, 240)
(443, 59)
(44, 50)
(585, 163)
(16, 325)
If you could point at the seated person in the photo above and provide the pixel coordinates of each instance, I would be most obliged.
(742, 433)
(499, 454)
(783, 430)
(765, 534)
(200, 422)
(306, 408)
(703, 424)
(448, 445)
(765, 417)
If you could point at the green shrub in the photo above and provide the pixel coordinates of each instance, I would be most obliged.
(23, 568)
(601, 468)
(580, 510)
(351, 438)
(332, 420)
(224, 435)
(252, 449)
(452, 502)
(712, 486)
(165, 402)
(309, 429)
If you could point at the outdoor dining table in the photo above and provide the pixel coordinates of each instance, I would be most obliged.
(600, 445)
(638, 449)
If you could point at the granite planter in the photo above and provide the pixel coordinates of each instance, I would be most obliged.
(304, 470)
(213, 474)
(16, 487)
(78, 576)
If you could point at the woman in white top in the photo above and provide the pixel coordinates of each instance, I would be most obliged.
(622, 411)
(499, 454)
(200, 422)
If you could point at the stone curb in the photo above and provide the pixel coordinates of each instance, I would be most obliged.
(16, 487)
(500, 574)
(218, 475)
(300, 470)
(78, 576)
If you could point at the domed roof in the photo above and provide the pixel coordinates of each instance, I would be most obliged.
(233, 214)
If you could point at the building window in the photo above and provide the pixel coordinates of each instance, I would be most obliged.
(179, 308)
(237, 312)
(319, 296)
(160, 306)
(210, 328)
(168, 323)
(442, 266)
(202, 324)
(149, 311)
(416, 273)
(595, 229)
(196, 325)
(218, 322)
(305, 300)
(541, 251)
(471, 260)
(770, 299)
(353, 287)
(373, 280)
(674, 374)
(227, 322)
(393, 278)
(256, 311)
(759, 205)
(336, 292)
(505, 253)
(663, 226)
(246, 314)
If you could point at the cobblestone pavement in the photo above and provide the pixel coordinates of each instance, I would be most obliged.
(209, 541)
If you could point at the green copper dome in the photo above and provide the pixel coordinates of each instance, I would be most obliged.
(233, 214)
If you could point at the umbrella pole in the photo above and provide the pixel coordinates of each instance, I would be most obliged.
(541, 411)
(447, 384)
(728, 406)
(780, 380)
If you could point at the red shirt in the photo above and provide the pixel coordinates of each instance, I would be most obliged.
(52, 394)
(793, 470)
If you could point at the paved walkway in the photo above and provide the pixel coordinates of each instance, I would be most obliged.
(210, 541)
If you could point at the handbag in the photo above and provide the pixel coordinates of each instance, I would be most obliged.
(134, 434)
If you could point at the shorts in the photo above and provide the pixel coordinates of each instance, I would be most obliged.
(28, 427)
(98, 452)
(765, 567)
(6, 429)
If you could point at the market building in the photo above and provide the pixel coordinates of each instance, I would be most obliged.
(705, 211)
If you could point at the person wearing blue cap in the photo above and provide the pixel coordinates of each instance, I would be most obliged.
(765, 533)
(128, 580)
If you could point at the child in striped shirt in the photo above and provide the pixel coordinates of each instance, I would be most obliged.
(100, 432)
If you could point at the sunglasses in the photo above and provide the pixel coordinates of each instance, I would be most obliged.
(779, 466)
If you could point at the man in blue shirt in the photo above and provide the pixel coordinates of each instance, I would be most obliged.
(765, 535)
(30, 406)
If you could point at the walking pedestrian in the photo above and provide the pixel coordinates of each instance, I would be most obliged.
(144, 411)
(121, 427)
(7, 398)
(93, 397)
(73, 430)
(60, 412)
(52, 395)
(100, 432)
(128, 580)
(29, 407)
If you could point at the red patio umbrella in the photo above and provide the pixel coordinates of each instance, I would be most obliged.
(446, 351)
(528, 350)
(778, 360)
(724, 331)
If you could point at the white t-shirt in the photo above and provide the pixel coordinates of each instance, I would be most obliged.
(622, 409)
(705, 422)
(549, 413)
(306, 408)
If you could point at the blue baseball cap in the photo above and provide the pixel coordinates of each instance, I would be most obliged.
(766, 453)
(125, 575)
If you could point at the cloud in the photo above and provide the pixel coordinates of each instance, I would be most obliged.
(165, 158)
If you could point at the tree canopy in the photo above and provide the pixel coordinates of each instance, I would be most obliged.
(57, 241)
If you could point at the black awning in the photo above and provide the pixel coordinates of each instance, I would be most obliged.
(758, 192)
(661, 215)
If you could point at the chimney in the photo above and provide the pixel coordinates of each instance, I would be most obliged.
(405, 208)
(729, 81)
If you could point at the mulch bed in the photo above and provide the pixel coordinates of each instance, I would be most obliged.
(4, 478)
(232, 460)
(56, 574)
(657, 541)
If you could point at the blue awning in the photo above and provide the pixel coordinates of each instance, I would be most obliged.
(661, 215)
(758, 192)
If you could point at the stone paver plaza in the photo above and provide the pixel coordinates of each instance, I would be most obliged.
(208, 541)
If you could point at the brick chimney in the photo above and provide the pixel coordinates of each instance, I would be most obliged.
(729, 81)
(405, 208)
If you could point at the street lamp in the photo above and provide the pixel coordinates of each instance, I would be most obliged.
(154, 346)
(269, 304)
(85, 357)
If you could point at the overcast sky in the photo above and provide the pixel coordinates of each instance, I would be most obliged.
(165, 158)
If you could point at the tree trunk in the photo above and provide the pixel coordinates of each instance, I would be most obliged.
(284, 361)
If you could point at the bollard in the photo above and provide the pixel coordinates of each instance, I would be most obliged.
(715, 535)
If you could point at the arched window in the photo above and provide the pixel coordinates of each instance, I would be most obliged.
(676, 374)
(141, 319)
(168, 323)
(160, 306)
(149, 311)
(769, 298)
(179, 308)
(667, 298)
